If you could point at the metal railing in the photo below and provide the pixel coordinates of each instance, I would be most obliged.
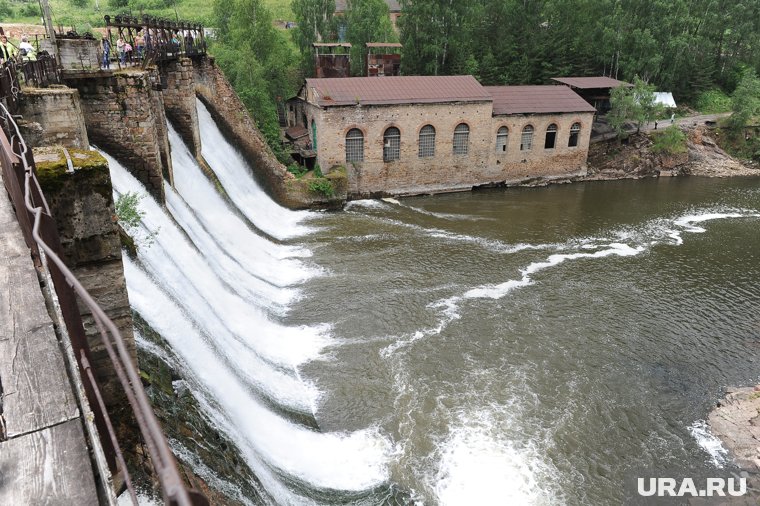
(40, 232)
(39, 73)
(155, 39)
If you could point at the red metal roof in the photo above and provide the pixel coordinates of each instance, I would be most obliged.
(342, 5)
(398, 90)
(589, 83)
(536, 99)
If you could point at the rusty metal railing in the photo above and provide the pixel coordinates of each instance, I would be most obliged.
(41, 236)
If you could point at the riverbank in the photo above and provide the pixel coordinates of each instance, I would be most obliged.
(736, 422)
(609, 160)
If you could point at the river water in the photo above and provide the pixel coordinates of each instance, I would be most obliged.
(509, 346)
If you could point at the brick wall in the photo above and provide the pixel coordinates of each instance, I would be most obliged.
(53, 116)
(179, 101)
(125, 117)
(445, 171)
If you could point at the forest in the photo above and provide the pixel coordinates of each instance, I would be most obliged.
(697, 49)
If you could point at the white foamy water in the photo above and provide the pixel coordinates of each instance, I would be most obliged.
(478, 465)
(233, 172)
(700, 431)
(229, 346)
(352, 461)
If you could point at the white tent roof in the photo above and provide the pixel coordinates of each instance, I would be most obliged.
(664, 98)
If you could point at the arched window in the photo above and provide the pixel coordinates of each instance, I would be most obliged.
(526, 141)
(354, 146)
(575, 132)
(391, 144)
(551, 137)
(502, 136)
(427, 141)
(461, 139)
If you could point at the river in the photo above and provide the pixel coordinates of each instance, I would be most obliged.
(509, 346)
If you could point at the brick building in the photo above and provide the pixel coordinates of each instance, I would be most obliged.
(425, 134)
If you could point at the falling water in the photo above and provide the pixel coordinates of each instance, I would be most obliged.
(531, 347)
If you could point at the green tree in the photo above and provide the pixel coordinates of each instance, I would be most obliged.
(745, 102)
(315, 22)
(635, 104)
(258, 61)
(367, 21)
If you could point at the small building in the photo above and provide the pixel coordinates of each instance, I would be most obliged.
(332, 59)
(425, 134)
(383, 59)
(665, 99)
(594, 90)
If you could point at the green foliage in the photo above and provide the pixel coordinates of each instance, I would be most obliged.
(128, 210)
(258, 61)
(30, 9)
(80, 3)
(323, 186)
(367, 21)
(130, 216)
(118, 4)
(745, 102)
(297, 170)
(318, 171)
(635, 104)
(315, 23)
(685, 46)
(670, 141)
(713, 102)
(6, 11)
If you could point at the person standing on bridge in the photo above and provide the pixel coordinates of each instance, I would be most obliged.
(106, 53)
(120, 49)
(7, 51)
(28, 53)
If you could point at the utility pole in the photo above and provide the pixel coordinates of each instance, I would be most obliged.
(48, 19)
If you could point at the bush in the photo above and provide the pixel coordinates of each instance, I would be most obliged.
(296, 170)
(31, 10)
(6, 11)
(128, 211)
(671, 141)
(713, 102)
(323, 186)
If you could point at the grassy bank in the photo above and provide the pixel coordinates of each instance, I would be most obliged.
(89, 13)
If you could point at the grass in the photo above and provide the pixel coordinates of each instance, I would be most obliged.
(68, 15)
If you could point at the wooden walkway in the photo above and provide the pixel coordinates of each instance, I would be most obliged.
(44, 457)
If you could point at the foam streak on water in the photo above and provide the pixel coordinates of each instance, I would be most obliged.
(718, 453)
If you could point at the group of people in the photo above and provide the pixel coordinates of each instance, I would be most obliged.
(132, 52)
(10, 52)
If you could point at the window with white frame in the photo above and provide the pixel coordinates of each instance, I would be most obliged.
(427, 142)
(391, 144)
(526, 141)
(461, 139)
(354, 146)
(502, 136)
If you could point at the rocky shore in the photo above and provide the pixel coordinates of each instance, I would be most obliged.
(610, 159)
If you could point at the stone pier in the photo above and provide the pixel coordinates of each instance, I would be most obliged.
(53, 116)
(82, 204)
(179, 101)
(124, 113)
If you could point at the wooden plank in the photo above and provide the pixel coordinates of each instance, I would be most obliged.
(48, 467)
(36, 392)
